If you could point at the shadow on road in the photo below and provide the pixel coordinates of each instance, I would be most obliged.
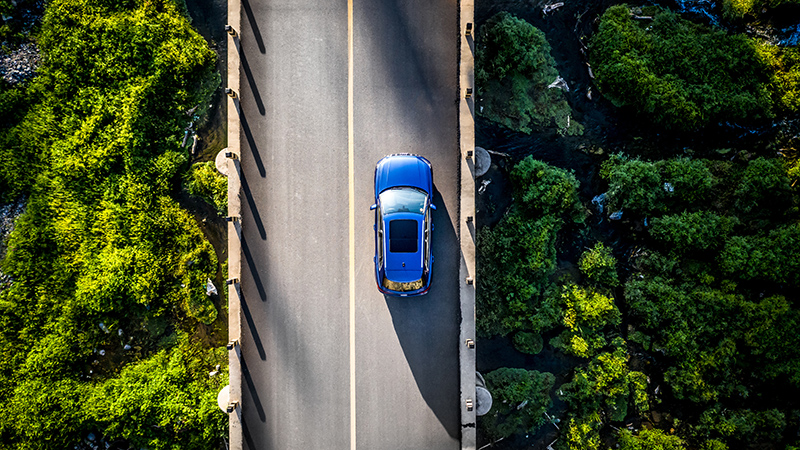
(251, 142)
(251, 388)
(254, 26)
(428, 328)
(253, 207)
(251, 79)
(251, 264)
(253, 327)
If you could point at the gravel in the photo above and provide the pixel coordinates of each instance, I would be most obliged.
(20, 64)
(8, 214)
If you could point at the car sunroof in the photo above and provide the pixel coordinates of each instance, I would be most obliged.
(403, 236)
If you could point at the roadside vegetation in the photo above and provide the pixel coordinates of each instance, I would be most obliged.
(513, 70)
(107, 333)
(677, 319)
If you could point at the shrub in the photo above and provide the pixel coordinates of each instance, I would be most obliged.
(101, 240)
(769, 257)
(516, 259)
(649, 440)
(527, 342)
(698, 231)
(764, 188)
(603, 384)
(678, 74)
(632, 184)
(204, 181)
(586, 312)
(519, 400)
(599, 265)
(513, 68)
(543, 190)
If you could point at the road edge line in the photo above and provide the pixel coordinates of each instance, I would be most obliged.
(352, 221)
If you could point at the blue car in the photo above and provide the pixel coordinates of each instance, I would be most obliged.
(403, 224)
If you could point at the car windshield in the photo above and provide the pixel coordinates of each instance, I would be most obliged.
(403, 199)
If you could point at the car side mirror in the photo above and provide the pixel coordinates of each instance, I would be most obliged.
(433, 207)
(373, 207)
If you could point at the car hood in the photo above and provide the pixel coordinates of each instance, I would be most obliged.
(403, 170)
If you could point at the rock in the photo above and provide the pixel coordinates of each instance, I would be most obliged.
(482, 161)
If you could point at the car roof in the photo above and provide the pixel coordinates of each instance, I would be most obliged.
(403, 237)
(403, 170)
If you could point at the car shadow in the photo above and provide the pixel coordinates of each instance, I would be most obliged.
(427, 327)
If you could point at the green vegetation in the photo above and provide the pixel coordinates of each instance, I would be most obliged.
(518, 256)
(98, 329)
(599, 266)
(204, 181)
(684, 76)
(586, 313)
(683, 321)
(649, 440)
(520, 399)
(527, 342)
(738, 9)
(513, 69)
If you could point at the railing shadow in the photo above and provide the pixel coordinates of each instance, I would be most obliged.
(248, 194)
(254, 26)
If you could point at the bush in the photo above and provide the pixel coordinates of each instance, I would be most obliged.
(519, 400)
(764, 188)
(101, 240)
(527, 342)
(581, 433)
(516, 259)
(656, 187)
(513, 68)
(604, 384)
(599, 265)
(204, 181)
(742, 427)
(699, 231)
(543, 190)
(586, 312)
(649, 440)
(678, 74)
(768, 257)
(738, 9)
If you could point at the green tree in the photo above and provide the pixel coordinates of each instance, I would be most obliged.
(513, 68)
(543, 190)
(678, 74)
(204, 181)
(693, 231)
(586, 312)
(519, 400)
(599, 265)
(654, 439)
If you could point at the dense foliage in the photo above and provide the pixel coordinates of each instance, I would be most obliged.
(97, 329)
(680, 329)
(519, 400)
(203, 180)
(738, 9)
(513, 69)
(684, 76)
(518, 257)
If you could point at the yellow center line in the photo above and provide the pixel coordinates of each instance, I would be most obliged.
(352, 223)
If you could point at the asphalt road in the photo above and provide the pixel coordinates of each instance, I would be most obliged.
(314, 377)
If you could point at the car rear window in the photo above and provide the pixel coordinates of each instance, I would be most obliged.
(403, 235)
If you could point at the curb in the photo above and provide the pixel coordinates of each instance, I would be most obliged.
(466, 229)
(235, 431)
